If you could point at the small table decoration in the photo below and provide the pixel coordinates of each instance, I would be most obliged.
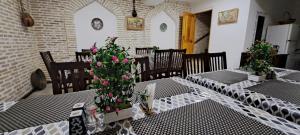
(113, 81)
(147, 97)
(260, 60)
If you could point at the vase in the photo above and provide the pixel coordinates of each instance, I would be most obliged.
(114, 117)
(257, 78)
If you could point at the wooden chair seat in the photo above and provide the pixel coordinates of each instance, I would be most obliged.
(143, 72)
(195, 63)
(69, 75)
(82, 56)
(144, 51)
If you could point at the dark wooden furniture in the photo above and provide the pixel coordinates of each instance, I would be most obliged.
(195, 63)
(66, 74)
(217, 61)
(143, 51)
(82, 56)
(175, 67)
(279, 60)
(162, 62)
(245, 59)
(85, 50)
(143, 69)
(47, 58)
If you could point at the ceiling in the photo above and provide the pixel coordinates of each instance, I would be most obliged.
(155, 2)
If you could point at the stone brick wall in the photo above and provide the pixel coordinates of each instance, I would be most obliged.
(18, 52)
(56, 32)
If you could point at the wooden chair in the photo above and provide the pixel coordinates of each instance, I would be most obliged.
(47, 58)
(279, 60)
(245, 59)
(195, 63)
(143, 69)
(66, 74)
(85, 50)
(217, 61)
(176, 62)
(143, 51)
(162, 62)
(82, 56)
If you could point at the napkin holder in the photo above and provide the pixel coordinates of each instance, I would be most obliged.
(77, 123)
(80, 106)
(147, 99)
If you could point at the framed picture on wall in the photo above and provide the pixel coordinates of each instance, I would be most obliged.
(228, 16)
(135, 23)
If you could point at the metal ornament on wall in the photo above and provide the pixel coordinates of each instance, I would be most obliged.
(97, 24)
(26, 18)
(163, 27)
(134, 13)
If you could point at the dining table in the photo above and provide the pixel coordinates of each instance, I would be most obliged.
(180, 107)
(279, 96)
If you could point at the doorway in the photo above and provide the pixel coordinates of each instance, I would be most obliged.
(202, 32)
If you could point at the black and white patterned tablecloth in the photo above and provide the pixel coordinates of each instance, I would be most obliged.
(283, 90)
(239, 91)
(199, 94)
(38, 111)
(226, 77)
(164, 88)
(211, 118)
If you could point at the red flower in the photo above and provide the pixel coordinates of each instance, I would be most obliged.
(99, 64)
(119, 100)
(125, 60)
(125, 77)
(110, 95)
(107, 109)
(94, 48)
(105, 82)
(115, 59)
(92, 72)
(96, 78)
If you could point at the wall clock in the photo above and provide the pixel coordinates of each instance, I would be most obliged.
(163, 27)
(97, 24)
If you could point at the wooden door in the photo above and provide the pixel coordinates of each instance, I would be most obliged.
(188, 32)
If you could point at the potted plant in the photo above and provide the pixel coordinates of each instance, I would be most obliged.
(113, 81)
(260, 60)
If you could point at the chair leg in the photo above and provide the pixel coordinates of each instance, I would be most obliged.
(56, 89)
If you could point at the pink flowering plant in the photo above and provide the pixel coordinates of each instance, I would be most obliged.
(112, 77)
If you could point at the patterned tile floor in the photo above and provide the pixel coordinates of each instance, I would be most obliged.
(168, 103)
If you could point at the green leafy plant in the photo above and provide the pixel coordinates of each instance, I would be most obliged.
(155, 48)
(260, 57)
(113, 80)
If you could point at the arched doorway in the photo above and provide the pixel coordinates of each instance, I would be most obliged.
(104, 22)
(163, 31)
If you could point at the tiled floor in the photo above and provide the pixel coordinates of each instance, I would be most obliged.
(44, 92)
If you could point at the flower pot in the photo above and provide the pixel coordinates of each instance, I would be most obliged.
(113, 116)
(257, 78)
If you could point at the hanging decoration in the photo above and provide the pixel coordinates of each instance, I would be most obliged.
(134, 13)
(26, 19)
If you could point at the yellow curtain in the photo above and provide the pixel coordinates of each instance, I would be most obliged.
(188, 32)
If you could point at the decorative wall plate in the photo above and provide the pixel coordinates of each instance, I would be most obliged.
(97, 24)
(163, 27)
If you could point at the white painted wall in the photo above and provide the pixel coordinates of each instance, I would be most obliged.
(273, 10)
(86, 36)
(164, 40)
(229, 37)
